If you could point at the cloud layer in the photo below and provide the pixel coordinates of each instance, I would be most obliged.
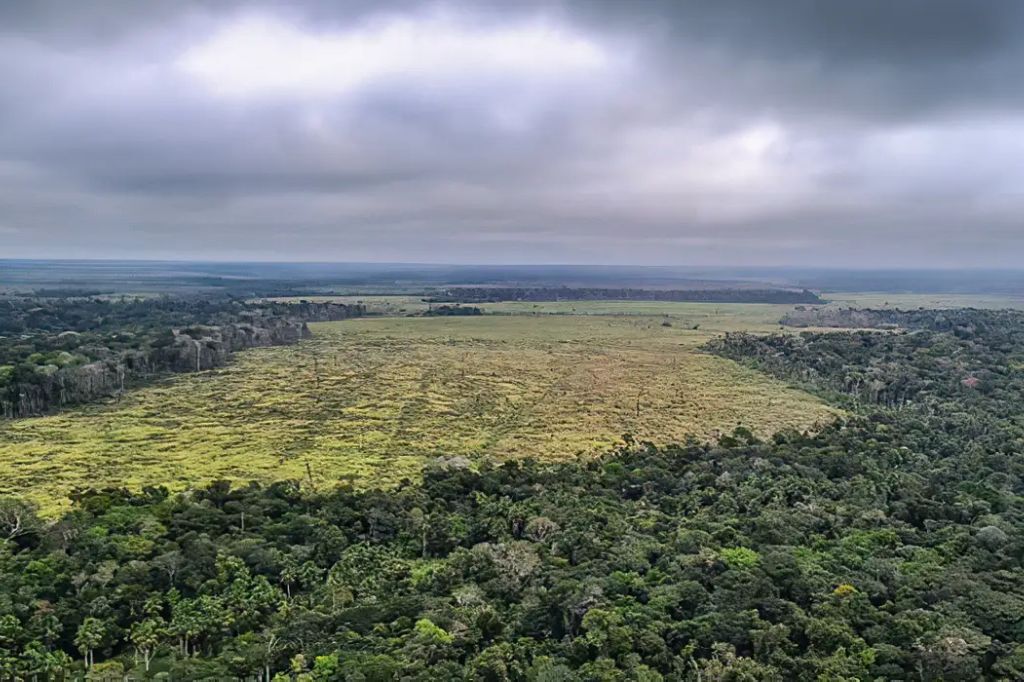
(799, 132)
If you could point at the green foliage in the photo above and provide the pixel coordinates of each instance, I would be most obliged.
(430, 633)
(68, 351)
(742, 558)
(886, 545)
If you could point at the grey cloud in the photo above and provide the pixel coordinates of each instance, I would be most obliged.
(866, 59)
(725, 132)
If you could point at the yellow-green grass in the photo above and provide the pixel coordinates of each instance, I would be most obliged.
(722, 316)
(710, 316)
(403, 304)
(373, 399)
(912, 301)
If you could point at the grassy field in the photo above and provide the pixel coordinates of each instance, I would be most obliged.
(739, 313)
(912, 301)
(721, 316)
(372, 399)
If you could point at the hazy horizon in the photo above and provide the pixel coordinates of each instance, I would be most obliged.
(868, 135)
(792, 267)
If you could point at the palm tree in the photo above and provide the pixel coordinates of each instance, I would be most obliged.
(90, 635)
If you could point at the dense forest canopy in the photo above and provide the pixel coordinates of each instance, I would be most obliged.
(57, 352)
(932, 360)
(962, 321)
(886, 546)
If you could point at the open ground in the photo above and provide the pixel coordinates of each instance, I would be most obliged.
(371, 400)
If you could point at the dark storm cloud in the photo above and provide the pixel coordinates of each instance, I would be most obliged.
(660, 131)
(871, 58)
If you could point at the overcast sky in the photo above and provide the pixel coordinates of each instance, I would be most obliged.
(868, 133)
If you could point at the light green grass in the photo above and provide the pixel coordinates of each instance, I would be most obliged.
(372, 399)
(738, 312)
(720, 316)
(913, 301)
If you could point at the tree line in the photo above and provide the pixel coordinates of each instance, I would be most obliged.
(70, 351)
(539, 294)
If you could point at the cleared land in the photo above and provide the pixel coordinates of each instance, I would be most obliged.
(740, 313)
(912, 301)
(372, 399)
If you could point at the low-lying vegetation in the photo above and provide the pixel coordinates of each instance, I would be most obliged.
(371, 399)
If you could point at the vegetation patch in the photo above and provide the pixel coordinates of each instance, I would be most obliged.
(370, 400)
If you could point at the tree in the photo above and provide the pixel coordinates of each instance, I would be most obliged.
(43, 662)
(326, 668)
(305, 575)
(429, 642)
(726, 666)
(146, 635)
(170, 563)
(421, 527)
(270, 644)
(17, 518)
(90, 635)
(187, 622)
(289, 575)
(606, 631)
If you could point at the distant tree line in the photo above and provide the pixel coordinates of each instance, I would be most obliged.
(69, 292)
(63, 352)
(960, 321)
(452, 311)
(930, 357)
(497, 294)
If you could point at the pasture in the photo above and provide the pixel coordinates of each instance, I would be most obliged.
(371, 400)
(912, 301)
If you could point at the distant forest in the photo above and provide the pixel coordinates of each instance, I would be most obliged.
(961, 321)
(452, 311)
(305, 279)
(56, 351)
(738, 295)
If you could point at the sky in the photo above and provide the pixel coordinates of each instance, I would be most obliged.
(669, 132)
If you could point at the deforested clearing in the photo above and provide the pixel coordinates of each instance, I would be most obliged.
(371, 400)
